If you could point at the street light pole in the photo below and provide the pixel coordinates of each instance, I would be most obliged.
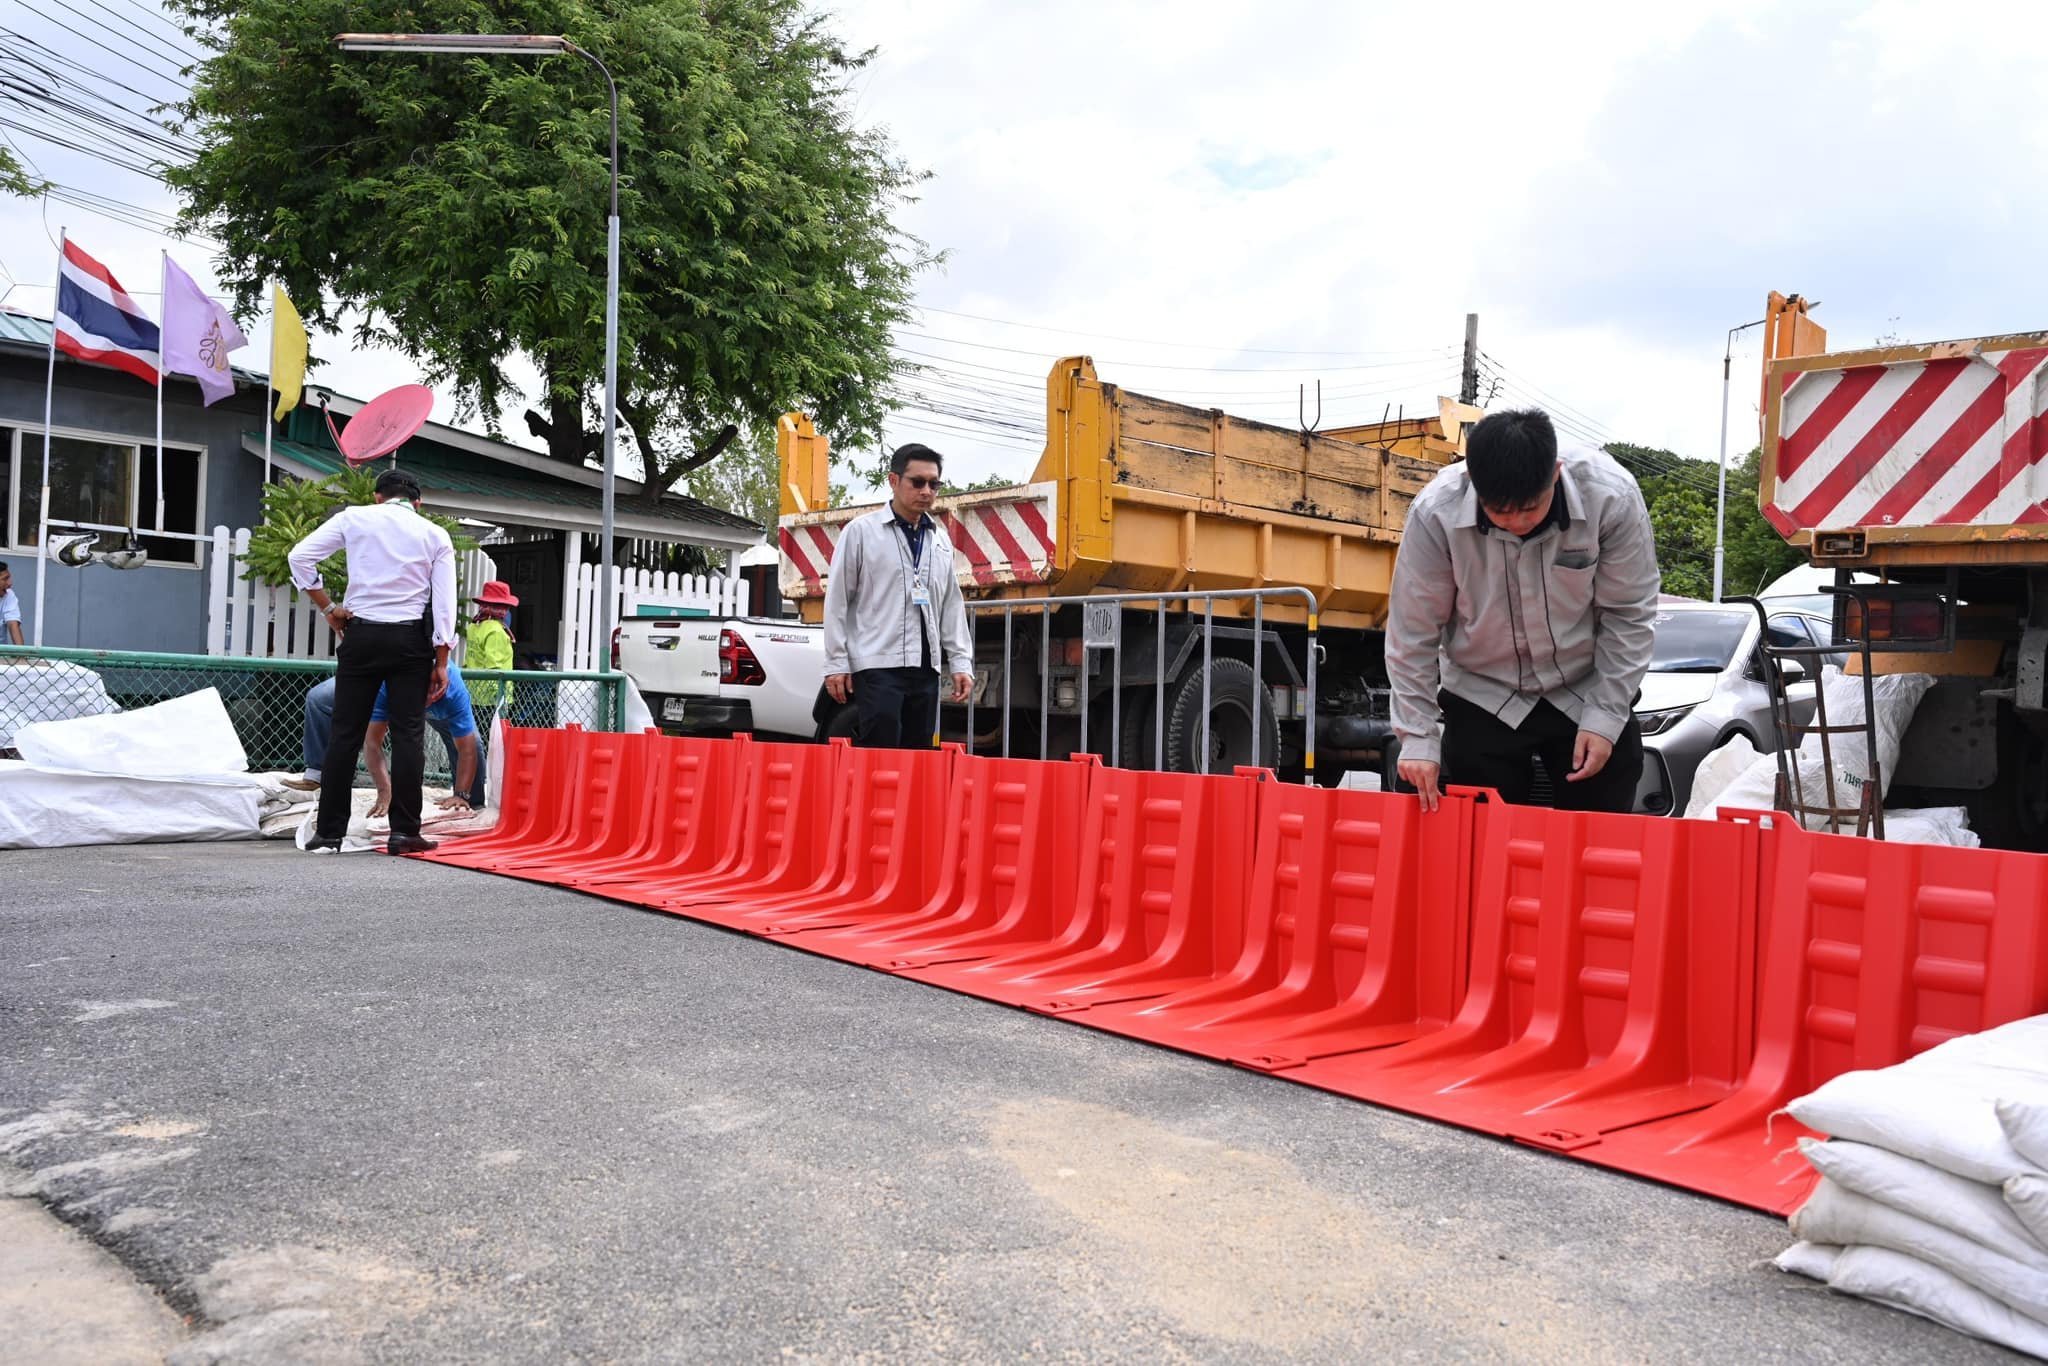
(525, 44)
(1721, 496)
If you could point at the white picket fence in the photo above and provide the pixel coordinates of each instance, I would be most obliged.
(250, 619)
(721, 597)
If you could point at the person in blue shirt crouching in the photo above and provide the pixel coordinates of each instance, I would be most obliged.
(450, 716)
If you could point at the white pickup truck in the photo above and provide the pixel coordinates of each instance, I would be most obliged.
(723, 676)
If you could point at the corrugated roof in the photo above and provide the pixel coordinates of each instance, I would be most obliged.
(672, 508)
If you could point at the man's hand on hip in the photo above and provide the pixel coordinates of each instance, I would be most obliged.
(437, 684)
(1421, 775)
(839, 687)
(963, 687)
(1589, 756)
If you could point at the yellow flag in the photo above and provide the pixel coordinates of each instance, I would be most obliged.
(287, 352)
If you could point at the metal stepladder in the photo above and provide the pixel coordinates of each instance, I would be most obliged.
(1866, 815)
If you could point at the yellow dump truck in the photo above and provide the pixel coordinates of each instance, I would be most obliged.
(1139, 495)
(1921, 472)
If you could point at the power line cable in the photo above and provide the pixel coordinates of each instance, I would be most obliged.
(150, 42)
(1153, 365)
(167, 79)
(1145, 341)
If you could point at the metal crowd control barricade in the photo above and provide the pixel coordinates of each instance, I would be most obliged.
(1102, 629)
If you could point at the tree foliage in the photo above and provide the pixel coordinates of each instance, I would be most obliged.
(459, 204)
(294, 508)
(1680, 494)
(14, 180)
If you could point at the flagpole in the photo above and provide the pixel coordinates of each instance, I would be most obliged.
(49, 392)
(269, 409)
(163, 284)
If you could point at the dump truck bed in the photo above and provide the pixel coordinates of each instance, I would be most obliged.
(1138, 494)
(1911, 454)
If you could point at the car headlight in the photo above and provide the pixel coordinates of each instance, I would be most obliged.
(1657, 722)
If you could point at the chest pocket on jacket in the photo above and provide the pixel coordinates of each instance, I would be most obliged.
(1570, 586)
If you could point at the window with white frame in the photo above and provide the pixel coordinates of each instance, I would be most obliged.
(108, 484)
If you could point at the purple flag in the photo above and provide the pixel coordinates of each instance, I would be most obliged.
(198, 334)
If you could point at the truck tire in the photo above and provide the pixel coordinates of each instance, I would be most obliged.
(1237, 702)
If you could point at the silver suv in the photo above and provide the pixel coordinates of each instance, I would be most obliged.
(1706, 685)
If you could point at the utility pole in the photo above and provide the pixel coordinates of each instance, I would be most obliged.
(1468, 382)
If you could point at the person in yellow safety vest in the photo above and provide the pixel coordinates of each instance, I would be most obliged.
(489, 646)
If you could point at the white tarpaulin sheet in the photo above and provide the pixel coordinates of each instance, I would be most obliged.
(186, 737)
(174, 771)
(44, 809)
(47, 690)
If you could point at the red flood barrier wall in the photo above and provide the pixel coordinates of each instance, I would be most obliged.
(1870, 954)
(1638, 992)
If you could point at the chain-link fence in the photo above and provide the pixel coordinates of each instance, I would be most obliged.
(266, 698)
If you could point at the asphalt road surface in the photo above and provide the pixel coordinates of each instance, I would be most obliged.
(358, 1108)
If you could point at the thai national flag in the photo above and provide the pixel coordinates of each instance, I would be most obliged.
(98, 322)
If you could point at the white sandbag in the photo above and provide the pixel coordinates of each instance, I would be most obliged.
(636, 715)
(1968, 1208)
(33, 690)
(1714, 781)
(1815, 1261)
(2027, 1198)
(189, 736)
(1895, 698)
(1834, 1215)
(1939, 1106)
(494, 766)
(41, 809)
(1905, 1282)
(2026, 1127)
(1944, 825)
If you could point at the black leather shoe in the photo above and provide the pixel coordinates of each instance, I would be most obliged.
(320, 846)
(410, 844)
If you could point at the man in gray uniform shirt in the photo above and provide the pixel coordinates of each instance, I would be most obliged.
(1523, 613)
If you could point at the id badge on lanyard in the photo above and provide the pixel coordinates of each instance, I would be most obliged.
(920, 587)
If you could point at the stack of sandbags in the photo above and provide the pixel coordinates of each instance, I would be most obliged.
(1933, 1192)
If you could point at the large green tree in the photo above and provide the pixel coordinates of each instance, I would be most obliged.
(1680, 494)
(458, 204)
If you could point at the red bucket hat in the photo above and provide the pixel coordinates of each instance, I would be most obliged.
(497, 593)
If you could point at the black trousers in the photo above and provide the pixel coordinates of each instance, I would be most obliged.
(898, 708)
(1481, 750)
(399, 657)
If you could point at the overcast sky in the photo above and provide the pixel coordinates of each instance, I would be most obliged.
(1222, 201)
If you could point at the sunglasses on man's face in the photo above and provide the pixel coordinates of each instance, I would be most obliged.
(918, 481)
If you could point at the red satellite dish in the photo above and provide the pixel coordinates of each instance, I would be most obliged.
(383, 424)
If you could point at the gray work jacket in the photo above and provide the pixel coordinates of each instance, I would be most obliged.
(870, 621)
(1566, 617)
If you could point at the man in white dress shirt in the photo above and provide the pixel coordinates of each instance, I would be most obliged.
(396, 629)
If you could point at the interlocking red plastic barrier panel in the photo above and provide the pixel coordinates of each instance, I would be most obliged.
(1639, 992)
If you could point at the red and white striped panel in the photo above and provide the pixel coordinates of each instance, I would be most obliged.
(1953, 441)
(996, 541)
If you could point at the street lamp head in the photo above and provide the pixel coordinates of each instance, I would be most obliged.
(486, 44)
